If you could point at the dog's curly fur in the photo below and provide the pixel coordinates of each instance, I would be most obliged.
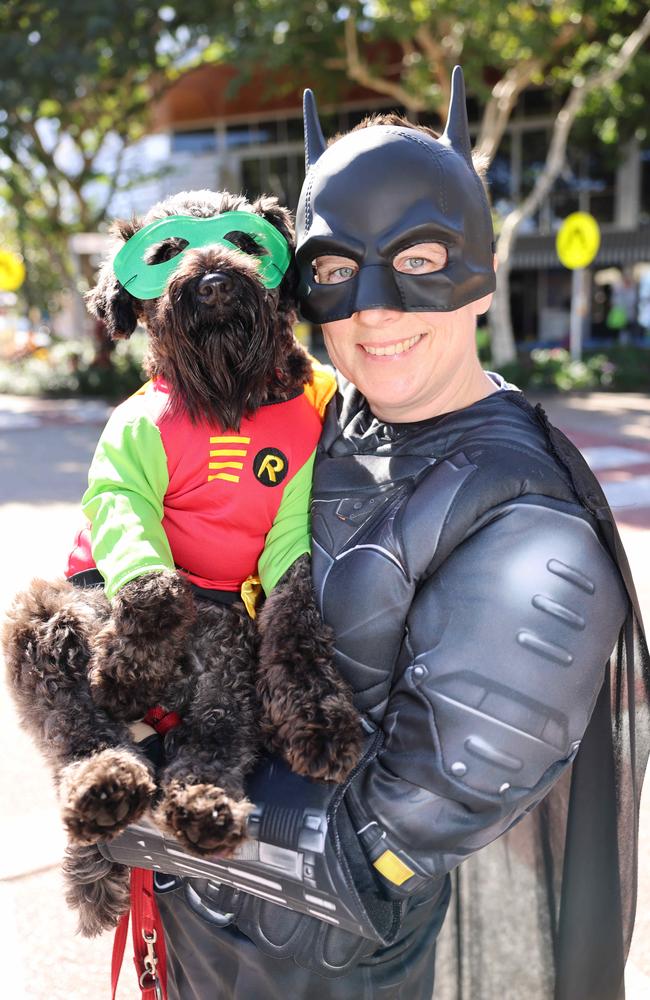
(81, 670)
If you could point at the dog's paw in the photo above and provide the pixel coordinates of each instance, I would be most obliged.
(100, 796)
(203, 817)
(326, 748)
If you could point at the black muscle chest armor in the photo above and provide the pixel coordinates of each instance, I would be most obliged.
(473, 606)
(392, 502)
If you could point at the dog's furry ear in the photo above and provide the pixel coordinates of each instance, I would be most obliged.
(267, 206)
(124, 229)
(109, 300)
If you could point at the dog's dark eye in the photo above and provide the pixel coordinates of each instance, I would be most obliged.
(246, 242)
(165, 250)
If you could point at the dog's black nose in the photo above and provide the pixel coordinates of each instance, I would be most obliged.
(214, 288)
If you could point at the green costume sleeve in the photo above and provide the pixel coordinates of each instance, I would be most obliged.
(290, 534)
(127, 481)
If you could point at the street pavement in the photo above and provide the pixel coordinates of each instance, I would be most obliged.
(45, 448)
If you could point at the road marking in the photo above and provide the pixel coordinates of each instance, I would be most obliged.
(18, 422)
(614, 457)
(631, 493)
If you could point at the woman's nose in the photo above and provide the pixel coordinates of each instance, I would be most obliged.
(378, 317)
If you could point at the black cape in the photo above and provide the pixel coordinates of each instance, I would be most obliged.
(550, 905)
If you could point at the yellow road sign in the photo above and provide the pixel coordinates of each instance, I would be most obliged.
(12, 271)
(578, 240)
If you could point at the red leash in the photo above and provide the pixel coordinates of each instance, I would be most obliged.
(149, 953)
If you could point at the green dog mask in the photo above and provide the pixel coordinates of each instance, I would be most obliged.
(148, 281)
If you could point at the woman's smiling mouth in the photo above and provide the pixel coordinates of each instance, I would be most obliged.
(399, 347)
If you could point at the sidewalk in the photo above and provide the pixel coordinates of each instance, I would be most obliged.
(613, 432)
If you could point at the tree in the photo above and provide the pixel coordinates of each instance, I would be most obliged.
(76, 85)
(611, 69)
(405, 51)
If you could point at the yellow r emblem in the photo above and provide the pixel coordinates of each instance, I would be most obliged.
(270, 466)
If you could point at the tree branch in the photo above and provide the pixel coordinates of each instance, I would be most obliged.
(500, 106)
(555, 159)
(502, 339)
(505, 93)
(100, 215)
(359, 71)
(438, 60)
(44, 156)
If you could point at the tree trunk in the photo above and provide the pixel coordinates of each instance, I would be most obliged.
(502, 338)
(103, 345)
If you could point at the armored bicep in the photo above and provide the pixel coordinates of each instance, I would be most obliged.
(508, 643)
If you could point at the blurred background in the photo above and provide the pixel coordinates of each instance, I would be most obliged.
(107, 106)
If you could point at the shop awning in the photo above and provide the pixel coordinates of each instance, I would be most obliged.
(618, 247)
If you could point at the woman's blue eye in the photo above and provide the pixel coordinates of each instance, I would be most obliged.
(423, 258)
(328, 270)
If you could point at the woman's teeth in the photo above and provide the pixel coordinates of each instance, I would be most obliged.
(398, 348)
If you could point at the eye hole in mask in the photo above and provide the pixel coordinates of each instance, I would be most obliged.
(166, 250)
(423, 258)
(245, 242)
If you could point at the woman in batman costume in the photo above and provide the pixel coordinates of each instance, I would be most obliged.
(470, 567)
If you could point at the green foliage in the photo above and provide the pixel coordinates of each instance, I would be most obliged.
(620, 369)
(66, 368)
(483, 344)
(632, 368)
(619, 113)
(415, 43)
(555, 369)
(77, 81)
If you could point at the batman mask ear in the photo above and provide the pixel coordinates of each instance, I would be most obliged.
(315, 144)
(109, 300)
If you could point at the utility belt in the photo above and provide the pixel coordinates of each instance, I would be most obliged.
(301, 886)
(293, 856)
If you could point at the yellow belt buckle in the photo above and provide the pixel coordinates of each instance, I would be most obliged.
(250, 592)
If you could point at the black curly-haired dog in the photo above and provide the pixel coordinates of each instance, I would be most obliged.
(81, 669)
